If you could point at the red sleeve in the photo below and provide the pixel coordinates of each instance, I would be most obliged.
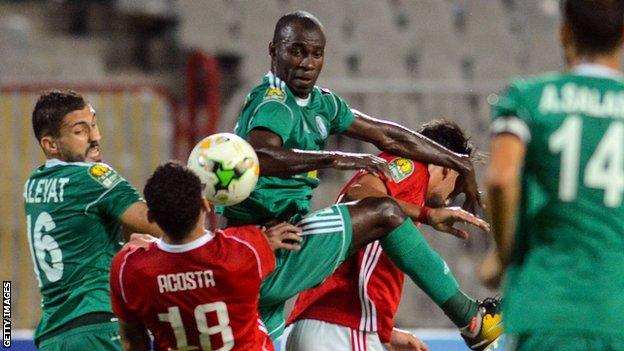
(254, 238)
(118, 302)
(409, 181)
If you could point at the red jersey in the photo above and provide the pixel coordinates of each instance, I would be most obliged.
(368, 275)
(202, 295)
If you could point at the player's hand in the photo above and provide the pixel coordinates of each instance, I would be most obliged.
(444, 219)
(468, 185)
(284, 236)
(491, 270)
(401, 340)
(372, 164)
(139, 240)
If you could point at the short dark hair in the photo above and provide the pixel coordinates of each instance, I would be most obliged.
(307, 20)
(174, 198)
(447, 134)
(50, 109)
(596, 25)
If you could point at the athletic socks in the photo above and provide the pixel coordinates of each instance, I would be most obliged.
(460, 309)
(410, 251)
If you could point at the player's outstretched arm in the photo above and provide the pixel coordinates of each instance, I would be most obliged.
(133, 337)
(503, 184)
(134, 220)
(401, 141)
(276, 160)
(441, 219)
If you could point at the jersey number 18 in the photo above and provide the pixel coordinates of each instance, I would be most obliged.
(174, 318)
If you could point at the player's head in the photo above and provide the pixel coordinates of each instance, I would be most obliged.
(442, 180)
(591, 28)
(65, 126)
(297, 51)
(174, 200)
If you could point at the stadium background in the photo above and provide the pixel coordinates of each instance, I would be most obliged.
(162, 74)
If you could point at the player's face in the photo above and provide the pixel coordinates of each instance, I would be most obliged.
(298, 58)
(79, 138)
(441, 189)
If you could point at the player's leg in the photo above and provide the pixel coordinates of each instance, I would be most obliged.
(328, 237)
(101, 336)
(382, 219)
(314, 335)
(326, 240)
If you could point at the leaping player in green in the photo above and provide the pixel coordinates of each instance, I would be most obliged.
(556, 187)
(288, 119)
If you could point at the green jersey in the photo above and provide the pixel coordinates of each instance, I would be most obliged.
(567, 272)
(73, 231)
(303, 125)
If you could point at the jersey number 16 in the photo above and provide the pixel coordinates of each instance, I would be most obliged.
(42, 244)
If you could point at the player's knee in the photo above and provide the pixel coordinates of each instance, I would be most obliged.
(389, 212)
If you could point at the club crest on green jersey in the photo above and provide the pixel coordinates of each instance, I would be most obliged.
(275, 94)
(104, 175)
(320, 124)
(401, 168)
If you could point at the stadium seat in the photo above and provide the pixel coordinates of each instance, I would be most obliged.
(257, 25)
(433, 51)
(487, 40)
(382, 48)
(538, 37)
(210, 25)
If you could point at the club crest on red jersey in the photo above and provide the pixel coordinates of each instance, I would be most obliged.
(401, 168)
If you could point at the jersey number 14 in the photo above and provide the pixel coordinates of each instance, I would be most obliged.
(605, 168)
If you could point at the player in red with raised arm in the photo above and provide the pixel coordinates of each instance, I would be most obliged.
(354, 309)
(193, 289)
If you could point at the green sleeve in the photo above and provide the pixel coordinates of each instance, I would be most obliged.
(509, 115)
(343, 116)
(114, 193)
(117, 201)
(275, 116)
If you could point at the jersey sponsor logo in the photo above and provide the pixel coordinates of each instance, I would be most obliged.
(320, 124)
(104, 175)
(401, 168)
(275, 94)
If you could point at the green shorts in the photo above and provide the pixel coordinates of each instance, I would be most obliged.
(326, 242)
(563, 342)
(101, 336)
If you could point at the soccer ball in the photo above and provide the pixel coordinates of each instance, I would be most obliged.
(227, 166)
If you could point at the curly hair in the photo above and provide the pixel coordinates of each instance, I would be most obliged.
(174, 198)
(50, 109)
